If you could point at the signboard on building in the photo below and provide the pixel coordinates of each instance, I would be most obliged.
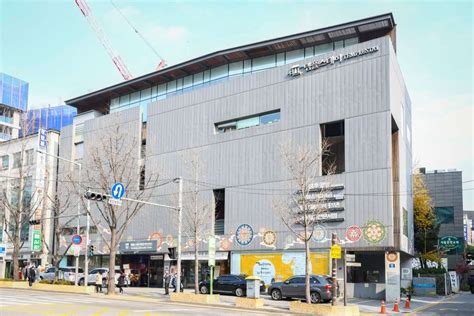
(449, 242)
(36, 240)
(138, 246)
(325, 201)
(3, 250)
(336, 252)
(42, 139)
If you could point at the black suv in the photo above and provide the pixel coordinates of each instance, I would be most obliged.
(228, 284)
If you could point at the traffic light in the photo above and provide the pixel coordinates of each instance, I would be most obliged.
(91, 251)
(95, 196)
(34, 222)
(172, 252)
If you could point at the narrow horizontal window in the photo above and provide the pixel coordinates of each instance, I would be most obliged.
(249, 121)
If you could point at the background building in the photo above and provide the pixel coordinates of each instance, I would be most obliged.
(445, 189)
(51, 118)
(13, 101)
(232, 110)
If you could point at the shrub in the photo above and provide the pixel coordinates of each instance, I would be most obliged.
(57, 282)
(428, 271)
(8, 279)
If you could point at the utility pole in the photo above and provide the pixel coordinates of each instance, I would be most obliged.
(334, 273)
(345, 276)
(180, 215)
(86, 255)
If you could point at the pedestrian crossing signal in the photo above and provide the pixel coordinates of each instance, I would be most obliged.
(95, 196)
(91, 251)
(34, 222)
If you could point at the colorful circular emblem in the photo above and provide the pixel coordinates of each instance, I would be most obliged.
(319, 233)
(244, 234)
(374, 232)
(392, 256)
(353, 233)
(269, 238)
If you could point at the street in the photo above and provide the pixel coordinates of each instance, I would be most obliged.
(459, 304)
(26, 302)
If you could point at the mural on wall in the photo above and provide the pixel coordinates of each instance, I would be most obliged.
(320, 234)
(159, 239)
(353, 233)
(275, 267)
(374, 232)
(269, 239)
(244, 234)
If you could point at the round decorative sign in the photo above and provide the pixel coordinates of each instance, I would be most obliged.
(244, 234)
(319, 233)
(392, 256)
(269, 238)
(374, 232)
(353, 233)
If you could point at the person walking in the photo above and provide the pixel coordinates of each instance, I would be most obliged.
(98, 282)
(31, 275)
(121, 281)
(167, 283)
(173, 282)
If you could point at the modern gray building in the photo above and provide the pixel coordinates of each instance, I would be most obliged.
(232, 111)
(445, 189)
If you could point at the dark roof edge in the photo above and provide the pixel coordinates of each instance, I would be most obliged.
(228, 50)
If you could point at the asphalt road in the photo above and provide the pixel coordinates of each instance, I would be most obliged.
(29, 302)
(459, 304)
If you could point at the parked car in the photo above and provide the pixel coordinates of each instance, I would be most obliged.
(470, 279)
(105, 273)
(294, 287)
(228, 284)
(65, 273)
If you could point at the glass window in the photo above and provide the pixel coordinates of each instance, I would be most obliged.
(322, 49)
(187, 82)
(270, 118)
(145, 94)
(338, 44)
(405, 222)
(207, 75)
(248, 65)
(114, 102)
(226, 127)
(248, 122)
(309, 52)
(171, 86)
(124, 99)
(219, 72)
(16, 160)
(198, 78)
(294, 55)
(444, 215)
(351, 41)
(162, 89)
(280, 59)
(154, 91)
(263, 63)
(236, 68)
(30, 158)
(5, 162)
(79, 148)
(135, 97)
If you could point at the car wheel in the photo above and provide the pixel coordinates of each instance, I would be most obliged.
(204, 289)
(315, 298)
(239, 292)
(276, 294)
(81, 282)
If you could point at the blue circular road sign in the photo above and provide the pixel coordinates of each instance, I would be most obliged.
(118, 190)
(76, 239)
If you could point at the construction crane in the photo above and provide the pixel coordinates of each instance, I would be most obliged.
(116, 59)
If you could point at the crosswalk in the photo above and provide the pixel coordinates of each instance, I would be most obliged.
(29, 298)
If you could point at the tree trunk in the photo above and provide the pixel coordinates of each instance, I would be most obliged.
(113, 250)
(196, 265)
(16, 266)
(307, 266)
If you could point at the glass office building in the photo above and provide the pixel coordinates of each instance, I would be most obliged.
(13, 92)
(52, 118)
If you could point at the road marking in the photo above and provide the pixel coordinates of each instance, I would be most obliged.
(100, 311)
(123, 313)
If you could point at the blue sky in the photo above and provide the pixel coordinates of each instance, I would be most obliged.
(50, 45)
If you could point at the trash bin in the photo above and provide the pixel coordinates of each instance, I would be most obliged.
(253, 287)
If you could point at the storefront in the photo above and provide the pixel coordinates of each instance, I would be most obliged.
(188, 268)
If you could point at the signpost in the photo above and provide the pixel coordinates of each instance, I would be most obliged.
(36, 240)
(76, 239)
(118, 191)
(212, 259)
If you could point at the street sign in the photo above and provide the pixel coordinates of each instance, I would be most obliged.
(76, 239)
(36, 240)
(336, 252)
(3, 250)
(212, 252)
(116, 202)
(350, 257)
(42, 139)
(353, 264)
(118, 190)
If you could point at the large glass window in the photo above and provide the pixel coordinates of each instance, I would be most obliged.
(294, 55)
(322, 49)
(256, 120)
(263, 63)
(236, 68)
(5, 162)
(444, 215)
(219, 72)
(248, 122)
(16, 160)
(333, 157)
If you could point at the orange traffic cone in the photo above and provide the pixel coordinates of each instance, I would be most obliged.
(407, 303)
(383, 310)
(395, 307)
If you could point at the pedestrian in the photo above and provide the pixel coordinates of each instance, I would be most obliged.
(173, 281)
(98, 282)
(31, 275)
(167, 283)
(121, 281)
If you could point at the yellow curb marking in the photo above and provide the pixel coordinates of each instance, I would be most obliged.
(123, 313)
(100, 311)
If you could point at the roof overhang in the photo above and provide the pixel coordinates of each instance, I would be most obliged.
(365, 29)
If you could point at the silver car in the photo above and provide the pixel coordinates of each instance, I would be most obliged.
(65, 273)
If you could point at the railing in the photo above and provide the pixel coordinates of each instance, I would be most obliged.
(6, 119)
(4, 137)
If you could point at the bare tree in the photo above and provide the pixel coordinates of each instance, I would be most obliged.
(113, 157)
(306, 204)
(195, 210)
(19, 199)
